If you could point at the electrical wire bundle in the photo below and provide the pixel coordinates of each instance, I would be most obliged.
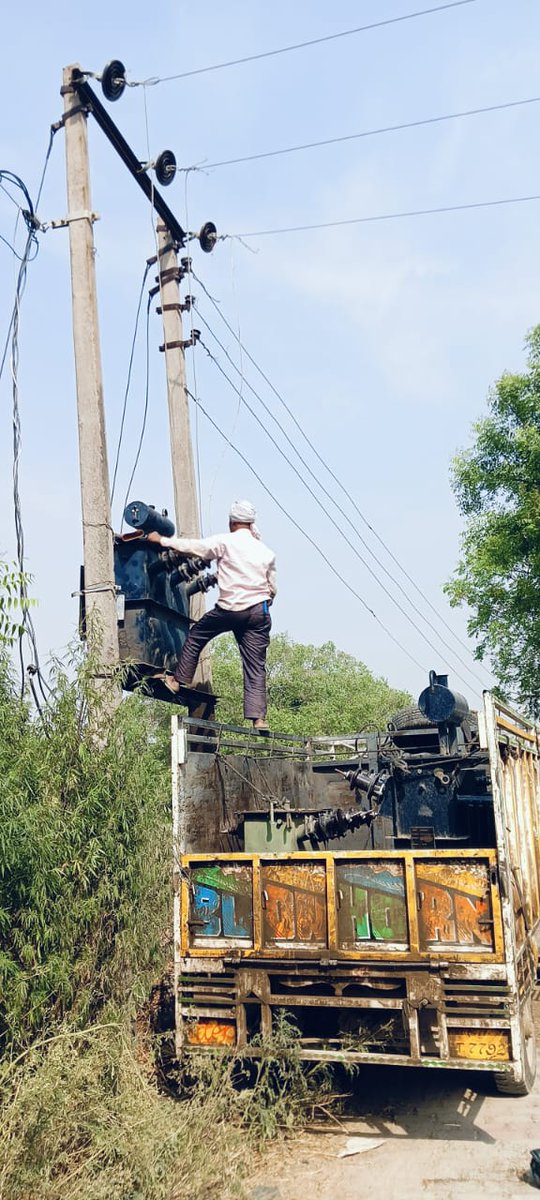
(28, 212)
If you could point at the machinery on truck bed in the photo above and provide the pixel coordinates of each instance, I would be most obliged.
(381, 889)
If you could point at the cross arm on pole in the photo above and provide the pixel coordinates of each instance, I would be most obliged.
(90, 101)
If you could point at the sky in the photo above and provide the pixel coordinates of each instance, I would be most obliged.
(382, 337)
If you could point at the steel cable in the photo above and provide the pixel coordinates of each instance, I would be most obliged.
(330, 472)
(338, 528)
(308, 537)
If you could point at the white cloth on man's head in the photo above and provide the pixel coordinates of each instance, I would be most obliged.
(242, 511)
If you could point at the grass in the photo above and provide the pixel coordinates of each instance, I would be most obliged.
(85, 915)
(84, 1120)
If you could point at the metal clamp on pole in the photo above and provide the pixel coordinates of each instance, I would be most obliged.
(71, 112)
(97, 587)
(182, 344)
(62, 222)
(170, 273)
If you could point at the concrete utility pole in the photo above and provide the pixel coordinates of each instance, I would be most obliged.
(99, 585)
(183, 470)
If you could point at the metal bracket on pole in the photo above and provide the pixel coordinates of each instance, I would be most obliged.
(62, 222)
(97, 587)
(178, 307)
(174, 273)
(182, 345)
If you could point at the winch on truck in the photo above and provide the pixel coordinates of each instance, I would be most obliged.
(381, 889)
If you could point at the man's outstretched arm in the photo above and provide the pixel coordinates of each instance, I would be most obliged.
(206, 548)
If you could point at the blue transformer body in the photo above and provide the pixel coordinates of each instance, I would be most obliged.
(154, 588)
(154, 612)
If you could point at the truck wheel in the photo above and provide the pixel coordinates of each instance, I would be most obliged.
(409, 718)
(522, 1082)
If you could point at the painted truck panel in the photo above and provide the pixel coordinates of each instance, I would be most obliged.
(353, 904)
(411, 955)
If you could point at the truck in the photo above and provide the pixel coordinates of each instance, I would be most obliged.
(380, 890)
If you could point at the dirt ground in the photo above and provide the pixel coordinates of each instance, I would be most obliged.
(445, 1136)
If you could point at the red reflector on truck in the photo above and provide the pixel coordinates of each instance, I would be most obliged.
(206, 1032)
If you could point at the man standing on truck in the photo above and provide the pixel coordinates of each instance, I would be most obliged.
(246, 571)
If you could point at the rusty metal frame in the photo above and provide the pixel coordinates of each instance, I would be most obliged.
(251, 986)
(216, 736)
(178, 758)
(502, 724)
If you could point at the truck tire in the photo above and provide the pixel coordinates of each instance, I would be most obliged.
(409, 718)
(521, 1082)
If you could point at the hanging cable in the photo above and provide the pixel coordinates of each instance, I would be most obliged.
(368, 133)
(31, 245)
(29, 254)
(415, 212)
(15, 253)
(8, 194)
(329, 470)
(128, 381)
(17, 182)
(308, 538)
(32, 224)
(27, 625)
(328, 514)
(145, 409)
(330, 37)
(52, 132)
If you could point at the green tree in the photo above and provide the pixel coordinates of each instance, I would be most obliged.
(497, 487)
(13, 602)
(311, 689)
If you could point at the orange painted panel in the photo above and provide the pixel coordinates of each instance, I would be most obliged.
(454, 904)
(436, 913)
(294, 903)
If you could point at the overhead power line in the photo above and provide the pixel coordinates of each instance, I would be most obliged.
(145, 406)
(415, 212)
(327, 468)
(368, 133)
(128, 380)
(306, 535)
(336, 504)
(393, 599)
(329, 37)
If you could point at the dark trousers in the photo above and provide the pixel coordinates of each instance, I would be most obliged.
(251, 628)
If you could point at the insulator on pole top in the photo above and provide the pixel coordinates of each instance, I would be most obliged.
(113, 79)
(208, 237)
(165, 167)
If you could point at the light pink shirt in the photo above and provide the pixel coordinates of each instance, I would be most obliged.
(246, 568)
